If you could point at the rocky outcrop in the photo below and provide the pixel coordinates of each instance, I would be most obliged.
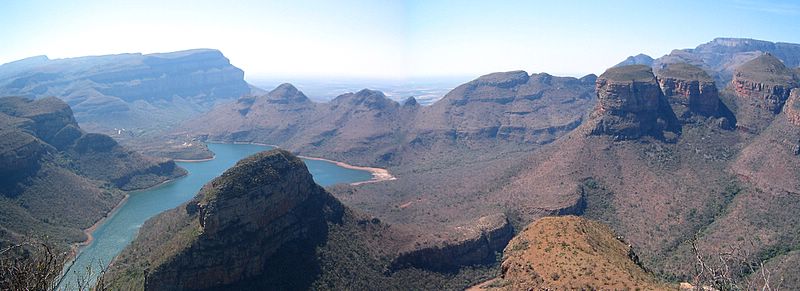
(570, 253)
(690, 88)
(129, 90)
(792, 107)
(242, 219)
(631, 104)
(764, 82)
(477, 244)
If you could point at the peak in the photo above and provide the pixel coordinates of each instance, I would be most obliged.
(503, 79)
(254, 172)
(287, 92)
(410, 102)
(765, 68)
(630, 73)
(370, 93)
(588, 79)
(684, 71)
(640, 59)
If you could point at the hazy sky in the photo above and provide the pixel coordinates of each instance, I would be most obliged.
(392, 39)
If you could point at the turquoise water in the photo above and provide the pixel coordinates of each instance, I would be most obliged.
(121, 228)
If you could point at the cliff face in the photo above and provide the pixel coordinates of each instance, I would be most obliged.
(792, 107)
(691, 88)
(241, 219)
(631, 104)
(761, 86)
(57, 171)
(129, 90)
(477, 244)
(765, 82)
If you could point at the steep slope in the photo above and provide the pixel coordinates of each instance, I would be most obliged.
(690, 90)
(761, 87)
(57, 179)
(128, 91)
(631, 104)
(570, 253)
(264, 223)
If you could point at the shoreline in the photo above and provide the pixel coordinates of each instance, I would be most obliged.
(195, 160)
(378, 174)
(76, 247)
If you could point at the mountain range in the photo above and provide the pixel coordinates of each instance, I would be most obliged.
(694, 156)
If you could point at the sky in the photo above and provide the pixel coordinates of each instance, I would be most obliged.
(390, 39)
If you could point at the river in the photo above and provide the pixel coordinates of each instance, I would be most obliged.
(112, 236)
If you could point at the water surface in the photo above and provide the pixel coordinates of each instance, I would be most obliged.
(119, 230)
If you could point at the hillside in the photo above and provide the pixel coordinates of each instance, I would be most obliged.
(56, 179)
(510, 110)
(264, 223)
(570, 253)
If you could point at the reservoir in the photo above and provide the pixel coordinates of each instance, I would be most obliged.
(119, 230)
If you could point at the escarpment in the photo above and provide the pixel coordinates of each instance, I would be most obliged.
(631, 104)
(762, 87)
(792, 107)
(112, 92)
(691, 88)
(475, 244)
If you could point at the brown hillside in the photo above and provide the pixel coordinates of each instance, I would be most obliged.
(570, 253)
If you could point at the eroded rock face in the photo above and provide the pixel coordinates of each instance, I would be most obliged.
(764, 83)
(691, 87)
(266, 202)
(631, 104)
(792, 107)
(477, 245)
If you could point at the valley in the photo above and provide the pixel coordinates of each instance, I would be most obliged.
(657, 174)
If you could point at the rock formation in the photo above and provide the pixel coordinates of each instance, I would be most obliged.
(265, 203)
(691, 88)
(570, 253)
(792, 107)
(631, 104)
(765, 82)
(762, 86)
(477, 244)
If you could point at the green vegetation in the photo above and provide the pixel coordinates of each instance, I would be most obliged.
(635, 73)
